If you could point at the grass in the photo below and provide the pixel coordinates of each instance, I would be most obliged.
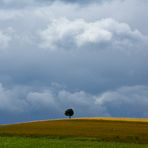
(93, 129)
(23, 142)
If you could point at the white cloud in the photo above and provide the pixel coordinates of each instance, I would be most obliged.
(11, 101)
(42, 100)
(125, 101)
(5, 38)
(78, 33)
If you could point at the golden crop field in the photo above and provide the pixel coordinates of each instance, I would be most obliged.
(103, 129)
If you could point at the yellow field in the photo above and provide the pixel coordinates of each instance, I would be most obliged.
(107, 129)
(116, 119)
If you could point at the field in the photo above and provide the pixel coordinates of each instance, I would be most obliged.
(81, 132)
(29, 142)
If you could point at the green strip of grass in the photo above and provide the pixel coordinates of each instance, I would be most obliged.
(29, 142)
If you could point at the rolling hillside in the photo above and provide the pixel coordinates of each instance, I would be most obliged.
(103, 129)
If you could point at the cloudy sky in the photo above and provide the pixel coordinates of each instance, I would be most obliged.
(89, 55)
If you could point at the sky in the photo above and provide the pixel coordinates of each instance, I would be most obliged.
(89, 55)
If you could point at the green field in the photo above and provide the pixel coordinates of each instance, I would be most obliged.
(28, 142)
(83, 132)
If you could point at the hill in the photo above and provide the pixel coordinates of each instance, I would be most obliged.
(104, 129)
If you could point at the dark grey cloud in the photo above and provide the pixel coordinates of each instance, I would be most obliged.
(24, 3)
(59, 56)
(26, 103)
(95, 82)
(78, 1)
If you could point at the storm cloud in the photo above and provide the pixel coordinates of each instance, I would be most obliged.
(30, 3)
(89, 56)
(22, 101)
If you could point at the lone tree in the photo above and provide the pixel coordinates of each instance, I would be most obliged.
(69, 112)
